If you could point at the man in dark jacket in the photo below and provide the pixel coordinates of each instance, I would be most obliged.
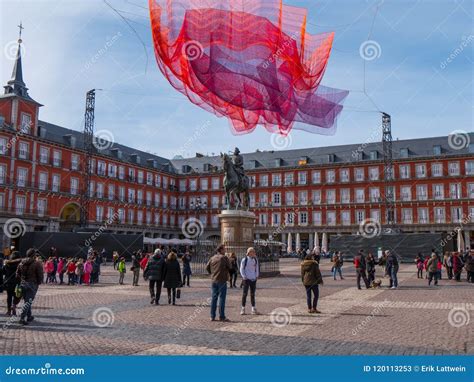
(153, 272)
(136, 257)
(392, 269)
(10, 282)
(361, 266)
(218, 267)
(311, 278)
(470, 267)
(30, 274)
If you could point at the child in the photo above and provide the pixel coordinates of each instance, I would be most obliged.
(79, 271)
(87, 271)
(71, 272)
(419, 265)
(121, 268)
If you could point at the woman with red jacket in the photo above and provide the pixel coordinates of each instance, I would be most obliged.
(71, 272)
(457, 266)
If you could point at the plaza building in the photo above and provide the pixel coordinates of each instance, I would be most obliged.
(328, 190)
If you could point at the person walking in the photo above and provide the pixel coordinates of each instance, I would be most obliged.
(48, 270)
(61, 270)
(87, 272)
(218, 267)
(457, 266)
(186, 259)
(122, 269)
(135, 268)
(172, 276)
(153, 272)
(234, 270)
(336, 265)
(392, 269)
(311, 278)
(79, 271)
(10, 281)
(30, 274)
(249, 270)
(115, 259)
(470, 267)
(448, 264)
(360, 266)
(419, 265)
(370, 268)
(432, 268)
(71, 272)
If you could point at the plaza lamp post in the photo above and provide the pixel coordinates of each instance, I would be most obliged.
(197, 207)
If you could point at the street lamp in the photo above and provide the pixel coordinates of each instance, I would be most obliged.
(197, 207)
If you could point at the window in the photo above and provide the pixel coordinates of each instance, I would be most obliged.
(121, 215)
(316, 177)
(110, 214)
(131, 215)
(405, 192)
(437, 150)
(91, 188)
(453, 168)
(56, 183)
(439, 215)
(140, 217)
(374, 193)
(330, 176)
(74, 162)
(276, 199)
(346, 217)
(276, 180)
(422, 215)
(131, 175)
(99, 213)
(100, 190)
(140, 177)
(215, 220)
(359, 174)
(375, 215)
(43, 181)
(421, 192)
(344, 175)
(131, 195)
(253, 181)
(345, 195)
(404, 171)
(289, 198)
(204, 184)
(276, 219)
(263, 199)
(374, 173)
(263, 219)
(101, 168)
(317, 218)
(57, 158)
(3, 146)
(407, 216)
(122, 193)
(149, 181)
(157, 180)
(215, 201)
(23, 152)
(289, 218)
(330, 196)
(44, 155)
(251, 200)
(420, 170)
(26, 123)
(438, 191)
(157, 200)
(22, 175)
(112, 173)
(331, 218)
(360, 195)
(316, 196)
(360, 216)
(436, 169)
(303, 218)
(470, 190)
(182, 202)
(74, 186)
(3, 174)
(289, 179)
(41, 207)
(193, 184)
(165, 201)
(165, 220)
(20, 204)
(302, 177)
(121, 173)
(2, 201)
(470, 167)
(215, 183)
(140, 197)
(264, 180)
(111, 191)
(455, 191)
(149, 198)
(182, 185)
(404, 153)
(303, 198)
(456, 214)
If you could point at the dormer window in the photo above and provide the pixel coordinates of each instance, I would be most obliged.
(374, 155)
(303, 161)
(437, 150)
(252, 164)
(135, 158)
(331, 158)
(404, 153)
(207, 167)
(278, 162)
(116, 153)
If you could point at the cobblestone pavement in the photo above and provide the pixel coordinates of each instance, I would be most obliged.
(113, 319)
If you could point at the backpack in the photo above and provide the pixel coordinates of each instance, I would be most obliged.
(357, 261)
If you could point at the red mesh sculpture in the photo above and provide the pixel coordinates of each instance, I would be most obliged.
(248, 60)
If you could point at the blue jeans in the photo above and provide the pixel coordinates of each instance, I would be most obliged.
(335, 271)
(393, 276)
(219, 291)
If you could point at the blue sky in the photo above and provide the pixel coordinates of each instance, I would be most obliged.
(72, 46)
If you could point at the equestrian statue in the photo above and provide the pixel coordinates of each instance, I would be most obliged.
(236, 182)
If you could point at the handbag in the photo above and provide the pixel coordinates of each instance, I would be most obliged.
(178, 293)
(18, 291)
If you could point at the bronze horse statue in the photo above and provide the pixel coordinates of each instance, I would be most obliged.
(234, 187)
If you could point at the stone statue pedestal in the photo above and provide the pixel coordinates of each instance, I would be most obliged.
(237, 231)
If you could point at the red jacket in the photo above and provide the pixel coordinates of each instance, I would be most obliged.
(144, 262)
(71, 267)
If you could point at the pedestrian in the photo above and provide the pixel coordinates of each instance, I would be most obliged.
(448, 264)
(249, 270)
(392, 268)
(336, 265)
(234, 270)
(30, 274)
(432, 268)
(87, 271)
(218, 267)
(186, 259)
(458, 265)
(71, 272)
(440, 267)
(61, 270)
(311, 278)
(425, 265)
(10, 281)
(360, 266)
(419, 265)
(96, 262)
(48, 270)
(470, 267)
(135, 268)
(153, 273)
(115, 258)
(79, 271)
(370, 268)
(122, 270)
(172, 276)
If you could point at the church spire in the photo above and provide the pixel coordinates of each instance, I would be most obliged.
(16, 85)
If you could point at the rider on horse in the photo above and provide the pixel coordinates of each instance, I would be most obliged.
(238, 162)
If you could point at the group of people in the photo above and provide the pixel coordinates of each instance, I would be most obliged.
(77, 270)
(365, 267)
(453, 262)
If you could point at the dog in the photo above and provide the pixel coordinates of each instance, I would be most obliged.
(376, 284)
